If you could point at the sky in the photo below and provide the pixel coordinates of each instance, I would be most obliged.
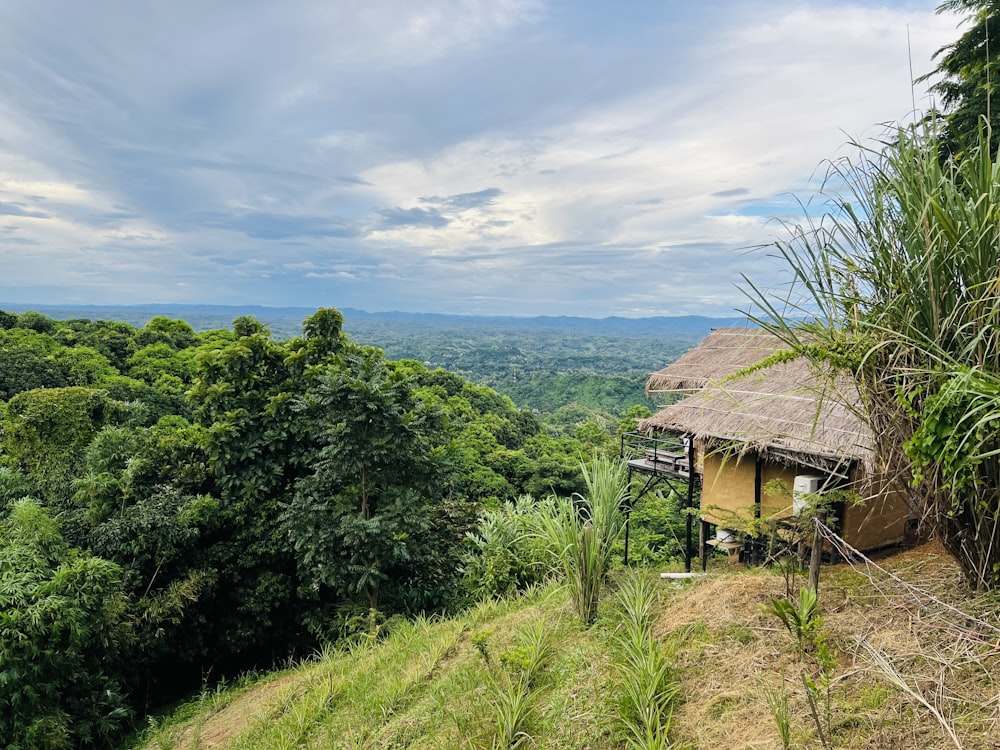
(501, 157)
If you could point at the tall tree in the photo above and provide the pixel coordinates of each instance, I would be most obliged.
(969, 73)
(245, 397)
(361, 519)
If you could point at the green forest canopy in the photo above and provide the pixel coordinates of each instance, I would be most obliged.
(542, 363)
(187, 503)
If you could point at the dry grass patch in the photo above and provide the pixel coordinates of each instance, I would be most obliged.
(726, 651)
(217, 725)
(729, 653)
(719, 600)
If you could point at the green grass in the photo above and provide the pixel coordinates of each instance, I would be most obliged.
(647, 684)
(527, 673)
(506, 674)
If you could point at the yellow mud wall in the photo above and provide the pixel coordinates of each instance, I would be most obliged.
(779, 504)
(727, 500)
(727, 490)
(727, 496)
(880, 521)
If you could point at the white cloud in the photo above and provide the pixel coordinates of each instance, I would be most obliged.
(460, 154)
(335, 275)
(763, 106)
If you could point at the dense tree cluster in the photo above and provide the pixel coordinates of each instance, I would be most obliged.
(177, 504)
(966, 79)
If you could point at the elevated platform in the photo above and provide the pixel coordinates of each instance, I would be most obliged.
(655, 461)
(664, 461)
(654, 455)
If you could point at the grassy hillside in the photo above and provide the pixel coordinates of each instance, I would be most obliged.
(905, 671)
(429, 684)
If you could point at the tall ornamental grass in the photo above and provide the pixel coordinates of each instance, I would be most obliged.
(899, 287)
(581, 531)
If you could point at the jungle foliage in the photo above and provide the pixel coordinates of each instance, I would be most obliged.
(178, 506)
(966, 79)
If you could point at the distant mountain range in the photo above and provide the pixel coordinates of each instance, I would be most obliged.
(287, 321)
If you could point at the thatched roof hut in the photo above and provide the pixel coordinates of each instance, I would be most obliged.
(723, 352)
(785, 412)
(786, 425)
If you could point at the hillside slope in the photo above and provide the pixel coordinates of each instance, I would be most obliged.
(906, 672)
(900, 656)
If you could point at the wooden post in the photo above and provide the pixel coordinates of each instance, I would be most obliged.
(689, 504)
(628, 516)
(757, 501)
(703, 543)
(817, 552)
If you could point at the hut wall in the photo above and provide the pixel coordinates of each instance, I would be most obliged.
(779, 504)
(727, 496)
(727, 493)
(881, 521)
(727, 500)
(699, 456)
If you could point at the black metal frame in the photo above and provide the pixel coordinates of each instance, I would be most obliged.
(664, 459)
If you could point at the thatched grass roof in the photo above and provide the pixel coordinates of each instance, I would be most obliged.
(723, 352)
(787, 410)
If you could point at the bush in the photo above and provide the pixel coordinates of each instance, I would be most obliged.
(583, 531)
(506, 553)
(60, 616)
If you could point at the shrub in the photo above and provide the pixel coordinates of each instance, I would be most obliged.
(60, 619)
(506, 554)
(583, 530)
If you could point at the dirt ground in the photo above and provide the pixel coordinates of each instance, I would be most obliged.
(219, 727)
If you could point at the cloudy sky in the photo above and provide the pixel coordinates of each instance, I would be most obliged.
(557, 157)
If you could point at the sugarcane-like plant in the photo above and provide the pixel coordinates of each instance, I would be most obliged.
(898, 287)
(582, 530)
(648, 683)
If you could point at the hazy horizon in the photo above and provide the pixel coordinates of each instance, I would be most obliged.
(18, 307)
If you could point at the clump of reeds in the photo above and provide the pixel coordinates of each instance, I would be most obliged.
(506, 555)
(581, 531)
